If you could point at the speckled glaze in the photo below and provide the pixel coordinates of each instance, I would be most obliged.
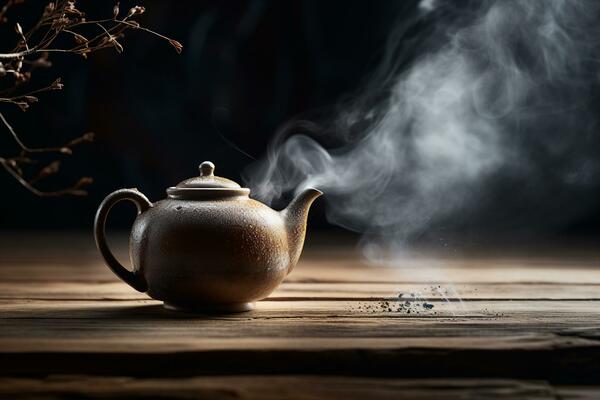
(208, 246)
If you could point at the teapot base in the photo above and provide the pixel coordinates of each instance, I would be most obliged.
(224, 308)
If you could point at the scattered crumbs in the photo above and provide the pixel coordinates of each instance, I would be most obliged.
(413, 305)
(411, 302)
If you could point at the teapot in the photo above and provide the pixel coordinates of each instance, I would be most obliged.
(208, 246)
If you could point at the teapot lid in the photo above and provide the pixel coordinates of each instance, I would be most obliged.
(207, 184)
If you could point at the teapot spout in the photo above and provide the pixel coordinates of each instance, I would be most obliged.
(294, 216)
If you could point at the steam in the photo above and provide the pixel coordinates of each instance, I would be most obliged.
(489, 124)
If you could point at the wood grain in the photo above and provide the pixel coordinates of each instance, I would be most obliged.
(432, 316)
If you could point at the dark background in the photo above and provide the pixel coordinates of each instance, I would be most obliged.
(247, 67)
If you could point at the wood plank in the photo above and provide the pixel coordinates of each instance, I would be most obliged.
(116, 290)
(582, 310)
(150, 345)
(456, 272)
(42, 334)
(351, 270)
(73, 258)
(288, 387)
(558, 360)
(559, 340)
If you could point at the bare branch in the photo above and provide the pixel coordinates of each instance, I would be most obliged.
(63, 149)
(75, 190)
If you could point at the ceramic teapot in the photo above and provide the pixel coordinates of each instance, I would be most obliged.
(208, 246)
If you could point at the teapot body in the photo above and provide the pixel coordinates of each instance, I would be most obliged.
(218, 254)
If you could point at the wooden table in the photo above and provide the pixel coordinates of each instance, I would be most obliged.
(487, 326)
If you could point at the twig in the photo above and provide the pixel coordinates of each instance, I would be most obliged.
(64, 150)
(75, 190)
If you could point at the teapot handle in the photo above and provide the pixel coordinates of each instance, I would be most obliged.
(134, 278)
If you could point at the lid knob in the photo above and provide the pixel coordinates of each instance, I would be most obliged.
(207, 168)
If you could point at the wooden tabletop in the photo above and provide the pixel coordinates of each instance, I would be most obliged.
(490, 325)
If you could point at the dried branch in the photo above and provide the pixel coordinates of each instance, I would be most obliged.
(59, 19)
(75, 190)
